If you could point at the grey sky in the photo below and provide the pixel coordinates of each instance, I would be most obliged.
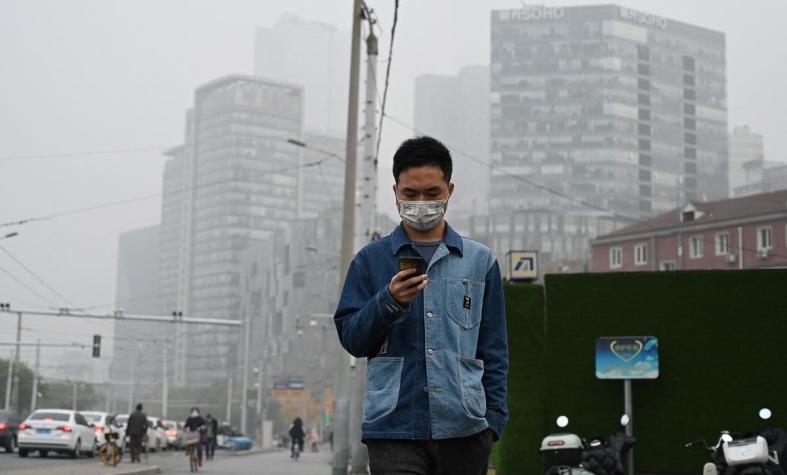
(92, 75)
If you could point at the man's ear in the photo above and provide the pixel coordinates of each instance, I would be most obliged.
(450, 189)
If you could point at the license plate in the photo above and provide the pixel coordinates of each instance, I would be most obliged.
(42, 431)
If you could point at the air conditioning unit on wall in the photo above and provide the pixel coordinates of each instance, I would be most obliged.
(730, 258)
(764, 253)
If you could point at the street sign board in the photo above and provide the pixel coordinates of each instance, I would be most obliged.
(523, 265)
(627, 357)
(288, 382)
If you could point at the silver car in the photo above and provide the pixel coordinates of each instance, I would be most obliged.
(56, 430)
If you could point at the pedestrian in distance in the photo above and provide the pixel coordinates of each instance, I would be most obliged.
(136, 429)
(425, 306)
(314, 439)
(211, 432)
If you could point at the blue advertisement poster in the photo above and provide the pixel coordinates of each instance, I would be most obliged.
(627, 357)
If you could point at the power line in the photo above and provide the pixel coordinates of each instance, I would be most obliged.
(156, 195)
(387, 78)
(90, 153)
(522, 179)
(27, 287)
(35, 276)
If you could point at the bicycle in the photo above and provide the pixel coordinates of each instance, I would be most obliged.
(296, 450)
(192, 441)
(109, 452)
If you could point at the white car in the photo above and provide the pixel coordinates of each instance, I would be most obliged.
(105, 422)
(56, 430)
(160, 442)
(149, 442)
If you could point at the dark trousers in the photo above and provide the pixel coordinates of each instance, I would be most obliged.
(135, 445)
(463, 456)
(210, 447)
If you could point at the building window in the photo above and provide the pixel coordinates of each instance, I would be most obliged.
(640, 254)
(615, 258)
(722, 244)
(764, 239)
(668, 265)
(695, 247)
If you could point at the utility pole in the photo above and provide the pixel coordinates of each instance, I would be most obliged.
(9, 378)
(164, 385)
(341, 424)
(74, 396)
(132, 386)
(244, 396)
(17, 403)
(260, 417)
(34, 395)
(229, 400)
(359, 453)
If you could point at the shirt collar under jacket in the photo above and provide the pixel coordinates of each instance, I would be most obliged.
(399, 239)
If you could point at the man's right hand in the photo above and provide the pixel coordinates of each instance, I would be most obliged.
(405, 285)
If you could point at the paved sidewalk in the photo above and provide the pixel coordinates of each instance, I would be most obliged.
(88, 469)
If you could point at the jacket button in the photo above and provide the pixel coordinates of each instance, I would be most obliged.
(429, 314)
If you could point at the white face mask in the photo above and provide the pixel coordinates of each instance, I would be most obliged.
(422, 215)
(194, 414)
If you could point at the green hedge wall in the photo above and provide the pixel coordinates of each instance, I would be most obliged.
(517, 452)
(722, 357)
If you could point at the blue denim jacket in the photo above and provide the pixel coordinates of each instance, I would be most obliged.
(438, 368)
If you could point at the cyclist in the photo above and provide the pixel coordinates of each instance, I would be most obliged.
(194, 423)
(296, 435)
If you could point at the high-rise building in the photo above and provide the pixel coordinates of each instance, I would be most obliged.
(455, 110)
(747, 160)
(323, 182)
(622, 109)
(136, 346)
(235, 181)
(315, 55)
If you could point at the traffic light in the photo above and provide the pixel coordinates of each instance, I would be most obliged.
(96, 346)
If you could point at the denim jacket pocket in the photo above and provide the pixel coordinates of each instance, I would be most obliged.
(383, 378)
(464, 299)
(471, 372)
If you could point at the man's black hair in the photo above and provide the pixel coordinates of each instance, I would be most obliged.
(419, 152)
(139, 406)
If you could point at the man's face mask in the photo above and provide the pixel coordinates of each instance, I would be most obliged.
(422, 215)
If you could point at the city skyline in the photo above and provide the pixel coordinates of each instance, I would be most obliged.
(82, 248)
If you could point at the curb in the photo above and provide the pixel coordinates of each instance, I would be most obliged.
(137, 471)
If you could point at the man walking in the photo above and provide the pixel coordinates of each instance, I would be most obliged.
(211, 431)
(433, 331)
(136, 429)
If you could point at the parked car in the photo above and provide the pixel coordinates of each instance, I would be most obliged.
(230, 439)
(56, 430)
(149, 443)
(174, 434)
(102, 422)
(160, 440)
(9, 424)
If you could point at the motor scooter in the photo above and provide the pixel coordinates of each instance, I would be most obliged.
(745, 454)
(566, 453)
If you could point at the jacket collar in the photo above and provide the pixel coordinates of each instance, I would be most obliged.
(399, 239)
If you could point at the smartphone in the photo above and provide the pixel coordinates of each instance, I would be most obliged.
(412, 263)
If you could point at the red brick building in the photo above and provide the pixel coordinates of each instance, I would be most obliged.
(738, 233)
